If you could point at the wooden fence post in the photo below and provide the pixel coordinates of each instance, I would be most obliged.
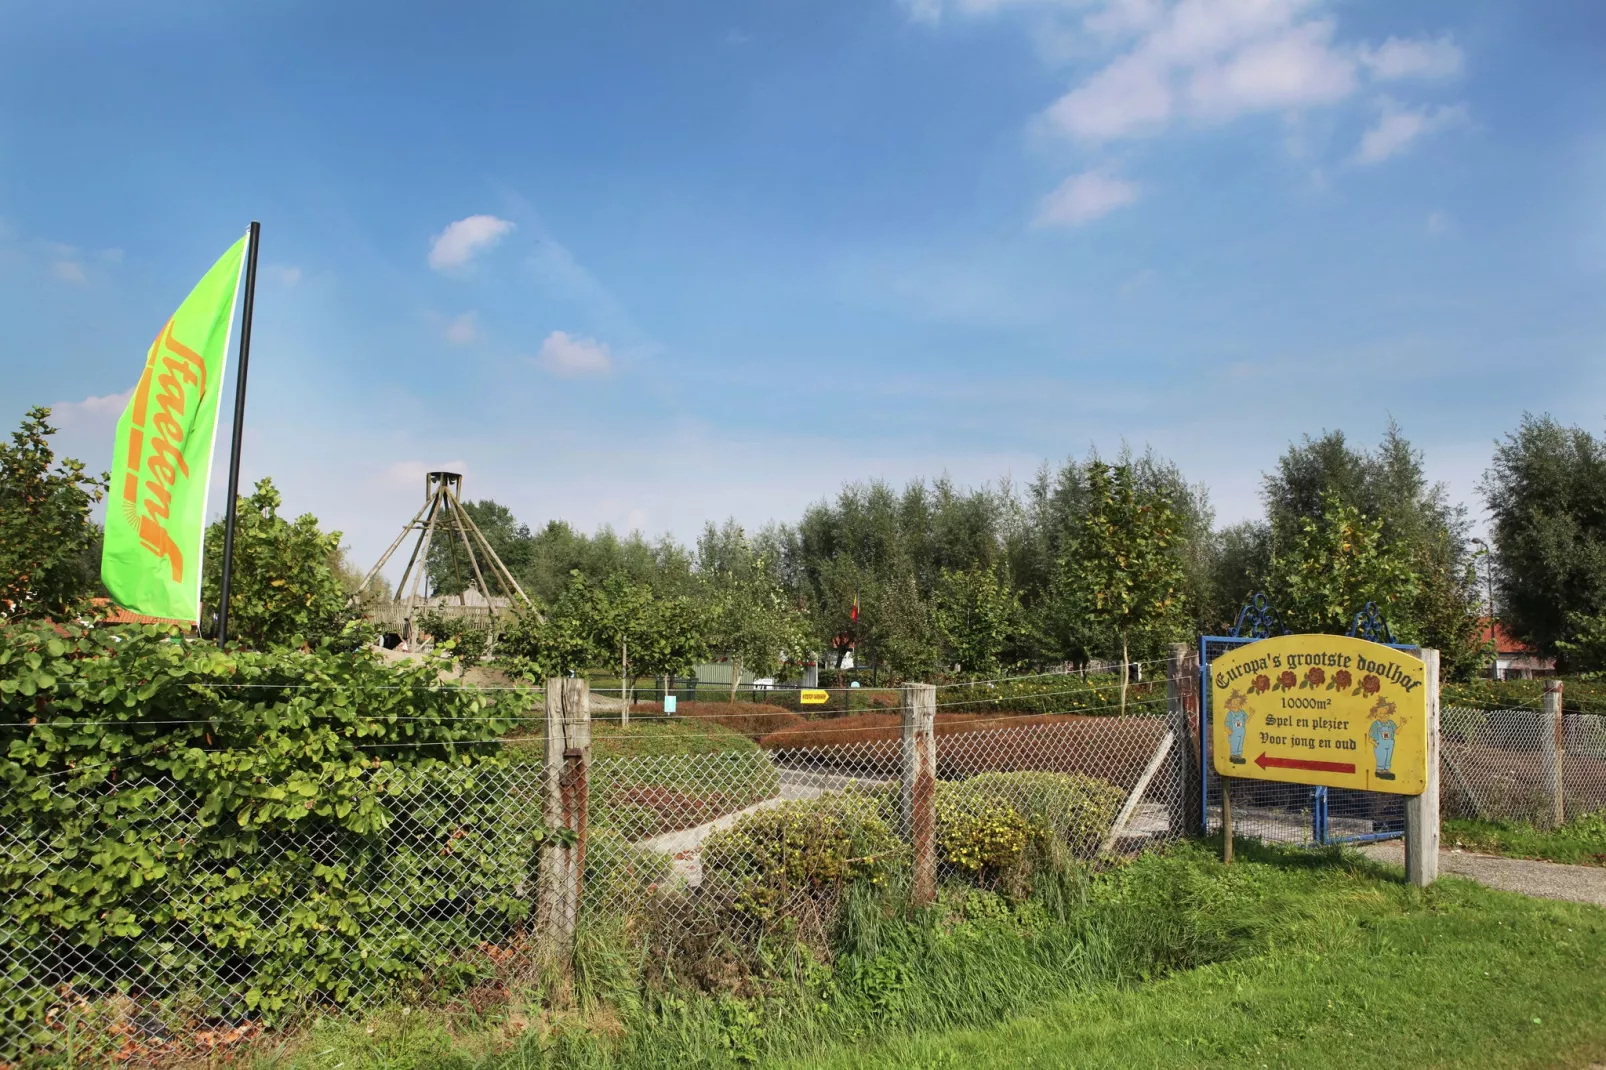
(565, 798)
(1422, 811)
(1553, 747)
(919, 703)
(1182, 705)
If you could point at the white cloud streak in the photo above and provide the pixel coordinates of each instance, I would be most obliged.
(572, 358)
(1396, 58)
(1085, 197)
(1398, 126)
(463, 329)
(463, 240)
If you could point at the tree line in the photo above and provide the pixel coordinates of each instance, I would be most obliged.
(1093, 559)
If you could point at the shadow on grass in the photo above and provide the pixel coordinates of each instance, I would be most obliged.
(1305, 858)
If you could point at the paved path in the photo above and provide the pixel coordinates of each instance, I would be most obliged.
(1547, 880)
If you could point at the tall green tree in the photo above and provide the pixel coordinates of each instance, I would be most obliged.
(751, 619)
(1128, 562)
(978, 614)
(286, 590)
(48, 567)
(1335, 564)
(1546, 495)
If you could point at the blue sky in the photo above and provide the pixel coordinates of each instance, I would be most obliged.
(646, 264)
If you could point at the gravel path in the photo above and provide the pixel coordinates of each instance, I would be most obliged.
(1547, 880)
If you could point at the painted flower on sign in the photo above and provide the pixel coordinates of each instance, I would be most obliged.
(1370, 684)
(1262, 683)
(1341, 680)
(1315, 677)
(1287, 681)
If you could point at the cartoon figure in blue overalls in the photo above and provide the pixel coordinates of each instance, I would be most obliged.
(1237, 722)
(1382, 734)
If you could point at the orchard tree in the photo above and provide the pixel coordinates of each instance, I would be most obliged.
(651, 636)
(978, 615)
(286, 590)
(48, 568)
(1128, 562)
(1335, 564)
(751, 618)
(898, 627)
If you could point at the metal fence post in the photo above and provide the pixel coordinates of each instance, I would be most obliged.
(1553, 747)
(1422, 811)
(565, 798)
(1181, 685)
(919, 704)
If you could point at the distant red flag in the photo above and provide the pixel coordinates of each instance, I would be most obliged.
(854, 615)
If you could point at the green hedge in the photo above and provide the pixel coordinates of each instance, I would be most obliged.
(1578, 696)
(1054, 694)
(244, 832)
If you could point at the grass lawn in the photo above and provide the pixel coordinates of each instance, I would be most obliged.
(1580, 842)
(1285, 959)
(1374, 975)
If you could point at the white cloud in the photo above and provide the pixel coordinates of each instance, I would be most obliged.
(1085, 197)
(92, 412)
(1398, 126)
(1396, 58)
(463, 240)
(69, 271)
(1214, 60)
(1437, 223)
(463, 329)
(1295, 69)
(571, 358)
(1128, 97)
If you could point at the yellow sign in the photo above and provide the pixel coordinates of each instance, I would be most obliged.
(814, 697)
(1321, 709)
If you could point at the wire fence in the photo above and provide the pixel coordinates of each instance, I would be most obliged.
(141, 921)
(138, 920)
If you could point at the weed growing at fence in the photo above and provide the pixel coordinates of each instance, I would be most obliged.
(1580, 842)
(975, 958)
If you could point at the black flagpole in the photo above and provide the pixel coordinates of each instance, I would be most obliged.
(239, 432)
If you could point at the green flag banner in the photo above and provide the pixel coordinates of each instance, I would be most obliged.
(162, 461)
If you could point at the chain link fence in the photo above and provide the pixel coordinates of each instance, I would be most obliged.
(1511, 764)
(697, 836)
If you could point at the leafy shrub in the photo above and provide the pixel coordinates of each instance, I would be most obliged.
(997, 826)
(798, 848)
(979, 833)
(266, 829)
(470, 637)
(1071, 808)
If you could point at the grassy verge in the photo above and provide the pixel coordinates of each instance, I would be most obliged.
(1284, 959)
(1373, 975)
(1581, 842)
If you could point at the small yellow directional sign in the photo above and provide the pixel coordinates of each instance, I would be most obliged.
(1321, 709)
(810, 696)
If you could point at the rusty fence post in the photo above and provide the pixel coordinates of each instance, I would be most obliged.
(919, 781)
(565, 797)
(1182, 710)
(1553, 747)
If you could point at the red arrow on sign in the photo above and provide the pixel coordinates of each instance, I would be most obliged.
(1300, 763)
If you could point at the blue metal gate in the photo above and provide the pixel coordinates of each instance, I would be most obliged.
(1292, 813)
